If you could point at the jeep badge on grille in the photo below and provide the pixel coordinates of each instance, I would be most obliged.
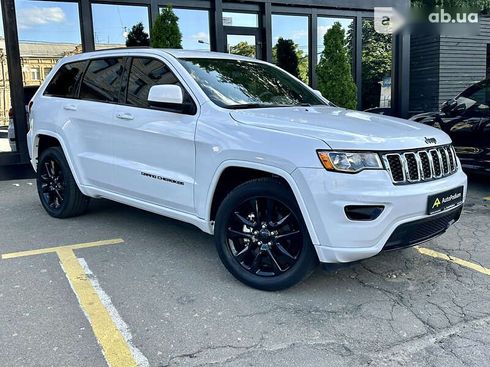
(430, 140)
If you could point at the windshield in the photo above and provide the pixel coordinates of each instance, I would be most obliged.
(247, 84)
(477, 96)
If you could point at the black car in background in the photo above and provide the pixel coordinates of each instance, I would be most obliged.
(466, 119)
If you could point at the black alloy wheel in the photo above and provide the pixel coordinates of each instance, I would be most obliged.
(52, 184)
(264, 236)
(57, 189)
(261, 236)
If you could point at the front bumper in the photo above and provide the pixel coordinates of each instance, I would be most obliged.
(340, 239)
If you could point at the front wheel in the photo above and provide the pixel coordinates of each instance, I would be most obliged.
(261, 236)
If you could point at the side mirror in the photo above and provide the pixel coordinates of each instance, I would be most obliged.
(166, 96)
(460, 109)
(449, 105)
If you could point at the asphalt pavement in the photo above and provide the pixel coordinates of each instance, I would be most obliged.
(174, 304)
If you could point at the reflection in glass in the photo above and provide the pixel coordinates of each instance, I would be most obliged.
(294, 28)
(194, 26)
(145, 73)
(7, 135)
(48, 30)
(376, 67)
(240, 19)
(113, 22)
(241, 45)
(102, 80)
(239, 84)
(324, 24)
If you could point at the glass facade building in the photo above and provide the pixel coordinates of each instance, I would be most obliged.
(37, 33)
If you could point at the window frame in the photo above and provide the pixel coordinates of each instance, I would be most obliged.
(193, 110)
(121, 80)
(76, 90)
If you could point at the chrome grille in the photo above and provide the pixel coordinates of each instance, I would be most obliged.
(420, 165)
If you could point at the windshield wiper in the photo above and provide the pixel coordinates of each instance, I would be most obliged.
(253, 105)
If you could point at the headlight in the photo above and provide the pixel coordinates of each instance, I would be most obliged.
(350, 162)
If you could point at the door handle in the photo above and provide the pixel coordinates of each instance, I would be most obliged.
(70, 107)
(125, 116)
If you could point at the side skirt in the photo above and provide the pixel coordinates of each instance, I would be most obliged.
(200, 223)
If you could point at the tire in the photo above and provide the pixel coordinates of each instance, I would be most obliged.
(257, 240)
(57, 189)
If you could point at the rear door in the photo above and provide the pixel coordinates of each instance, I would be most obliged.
(154, 147)
(89, 118)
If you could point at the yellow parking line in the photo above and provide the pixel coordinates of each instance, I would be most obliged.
(54, 249)
(114, 346)
(455, 260)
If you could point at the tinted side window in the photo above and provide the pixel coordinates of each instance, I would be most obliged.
(65, 82)
(102, 80)
(144, 74)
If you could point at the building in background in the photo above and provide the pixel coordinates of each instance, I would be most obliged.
(37, 59)
(37, 33)
(443, 66)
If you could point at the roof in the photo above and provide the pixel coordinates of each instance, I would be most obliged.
(177, 53)
(183, 54)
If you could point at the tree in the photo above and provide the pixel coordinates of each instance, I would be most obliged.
(137, 36)
(302, 62)
(376, 63)
(166, 32)
(334, 69)
(483, 5)
(243, 48)
(287, 58)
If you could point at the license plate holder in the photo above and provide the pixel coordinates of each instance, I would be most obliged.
(446, 200)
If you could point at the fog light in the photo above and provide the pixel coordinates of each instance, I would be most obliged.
(363, 212)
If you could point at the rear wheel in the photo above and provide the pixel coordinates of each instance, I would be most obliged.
(56, 186)
(261, 236)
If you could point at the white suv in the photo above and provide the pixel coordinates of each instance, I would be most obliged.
(243, 150)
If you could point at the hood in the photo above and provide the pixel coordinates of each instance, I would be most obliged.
(344, 129)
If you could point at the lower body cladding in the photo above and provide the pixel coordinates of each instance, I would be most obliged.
(356, 216)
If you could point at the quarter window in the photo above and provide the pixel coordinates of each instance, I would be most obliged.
(144, 74)
(102, 81)
(65, 82)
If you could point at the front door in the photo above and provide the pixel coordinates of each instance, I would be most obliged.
(154, 153)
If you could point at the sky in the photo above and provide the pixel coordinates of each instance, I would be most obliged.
(291, 27)
(48, 21)
(112, 22)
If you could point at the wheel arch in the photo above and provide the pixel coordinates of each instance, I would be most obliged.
(219, 188)
(47, 139)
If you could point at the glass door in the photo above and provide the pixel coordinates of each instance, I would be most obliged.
(242, 34)
(245, 45)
